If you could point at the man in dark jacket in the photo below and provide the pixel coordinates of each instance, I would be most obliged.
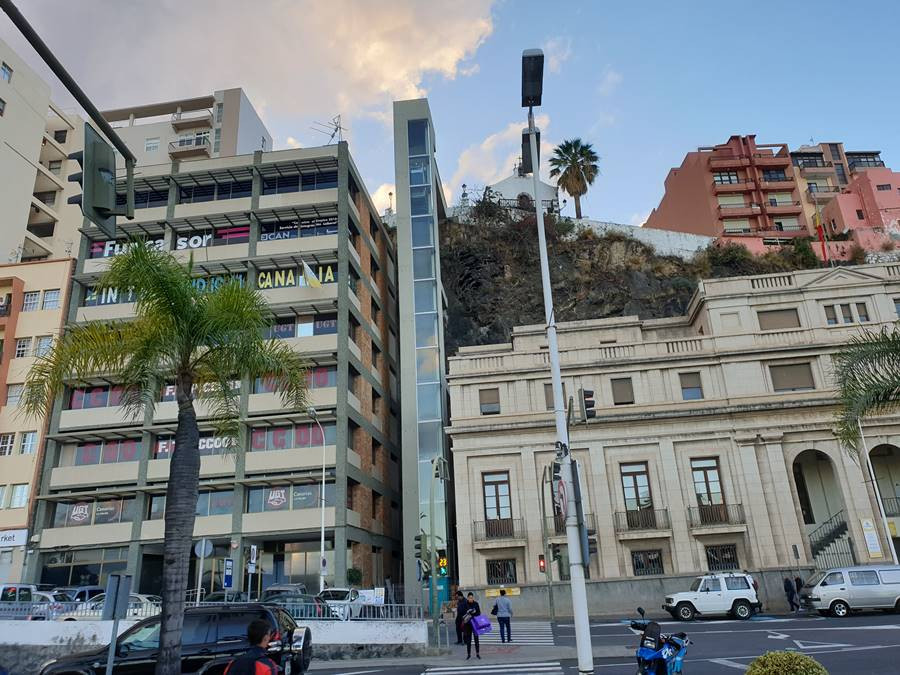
(255, 661)
(790, 592)
(460, 613)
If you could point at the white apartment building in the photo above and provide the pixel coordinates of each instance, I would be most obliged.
(712, 447)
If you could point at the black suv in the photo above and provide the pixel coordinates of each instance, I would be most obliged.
(211, 636)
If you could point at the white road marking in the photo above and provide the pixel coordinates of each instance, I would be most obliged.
(775, 635)
(359, 672)
(817, 645)
(730, 664)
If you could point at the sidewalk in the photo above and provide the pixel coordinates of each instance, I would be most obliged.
(490, 655)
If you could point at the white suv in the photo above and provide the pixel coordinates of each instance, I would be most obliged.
(726, 594)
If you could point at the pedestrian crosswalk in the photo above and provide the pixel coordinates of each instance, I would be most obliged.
(543, 668)
(523, 633)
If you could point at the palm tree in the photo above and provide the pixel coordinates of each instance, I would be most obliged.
(576, 165)
(202, 340)
(867, 372)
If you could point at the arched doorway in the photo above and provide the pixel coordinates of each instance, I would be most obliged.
(886, 465)
(822, 507)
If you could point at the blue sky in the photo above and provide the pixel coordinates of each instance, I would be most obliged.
(643, 82)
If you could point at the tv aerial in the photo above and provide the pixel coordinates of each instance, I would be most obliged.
(330, 129)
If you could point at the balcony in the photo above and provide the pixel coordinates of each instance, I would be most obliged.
(816, 168)
(782, 208)
(556, 525)
(822, 192)
(502, 529)
(642, 520)
(738, 210)
(736, 186)
(777, 183)
(185, 148)
(769, 159)
(727, 161)
(201, 120)
(862, 164)
(716, 515)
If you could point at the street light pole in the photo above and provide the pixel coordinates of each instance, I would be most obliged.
(312, 412)
(532, 76)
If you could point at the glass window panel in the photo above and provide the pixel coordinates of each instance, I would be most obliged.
(202, 504)
(429, 401)
(417, 136)
(427, 365)
(277, 498)
(426, 296)
(221, 503)
(429, 439)
(422, 231)
(306, 496)
(426, 330)
(420, 200)
(255, 500)
(419, 171)
(423, 263)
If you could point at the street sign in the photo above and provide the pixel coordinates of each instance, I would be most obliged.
(203, 548)
(562, 499)
(323, 567)
(228, 581)
(252, 554)
(118, 590)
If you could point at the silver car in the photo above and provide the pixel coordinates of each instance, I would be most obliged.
(841, 590)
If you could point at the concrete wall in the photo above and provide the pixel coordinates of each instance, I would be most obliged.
(681, 244)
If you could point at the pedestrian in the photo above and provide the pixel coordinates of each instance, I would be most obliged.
(255, 661)
(504, 614)
(472, 610)
(460, 613)
(790, 592)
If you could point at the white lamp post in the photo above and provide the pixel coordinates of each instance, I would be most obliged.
(315, 416)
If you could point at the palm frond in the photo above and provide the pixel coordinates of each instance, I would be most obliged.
(867, 372)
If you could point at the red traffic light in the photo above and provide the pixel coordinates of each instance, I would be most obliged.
(542, 564)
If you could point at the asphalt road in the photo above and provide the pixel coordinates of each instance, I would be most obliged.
(857, 645)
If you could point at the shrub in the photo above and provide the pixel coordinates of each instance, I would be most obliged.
(785, 663)
(889, 245)
(857, 254)
(354, 576)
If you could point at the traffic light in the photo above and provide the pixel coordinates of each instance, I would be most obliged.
(586, 396)
(542, 564)
(591, 543)
(556, 471)
(442, 563)
(97, 179)
(421, 547)
(555, 552)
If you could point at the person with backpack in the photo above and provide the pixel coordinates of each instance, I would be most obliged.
(503, 611)
(255, 661)
(473, 609)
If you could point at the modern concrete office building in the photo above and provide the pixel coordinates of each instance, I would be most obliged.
(257, 217)
(420, 209)
(712, 448)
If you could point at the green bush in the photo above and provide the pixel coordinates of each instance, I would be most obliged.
(354, 576)
(785, 663)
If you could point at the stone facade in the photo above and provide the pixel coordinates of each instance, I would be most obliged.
(712, 446)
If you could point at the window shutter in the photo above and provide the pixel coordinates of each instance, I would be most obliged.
(622, 391)
(777, 319)
(489, 401)
(793, 377)
(690, 380)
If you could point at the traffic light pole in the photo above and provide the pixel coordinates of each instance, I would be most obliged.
(548, 556)
(573, 538)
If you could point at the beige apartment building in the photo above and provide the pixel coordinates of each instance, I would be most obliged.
(712, 448)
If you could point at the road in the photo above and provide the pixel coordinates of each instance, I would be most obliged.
(858, 645)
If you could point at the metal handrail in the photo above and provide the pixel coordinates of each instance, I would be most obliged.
(782, 203)
(186, 143)
(825, 188)
(812, 163)
(642, 519)
(710, 515)
(501, 528)
(738, 206)
(828, 532)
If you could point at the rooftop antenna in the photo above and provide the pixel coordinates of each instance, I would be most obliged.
(330, 129)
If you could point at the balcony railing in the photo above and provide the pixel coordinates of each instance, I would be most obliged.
(711, 515)
(891, 506)
(823, 189)
(811, 163)
(642, 519)
(864, 164)
(783, 202)
(551, 205)
(190, 145)
(556, 525)
(503, 528)
(726, 207)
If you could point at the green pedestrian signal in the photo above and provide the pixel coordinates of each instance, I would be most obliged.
(97, 179)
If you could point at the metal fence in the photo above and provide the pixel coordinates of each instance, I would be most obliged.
(642, 519)
(710, 515)
(502, 528)
(70, 611)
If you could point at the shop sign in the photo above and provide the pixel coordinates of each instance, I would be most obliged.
(12, 538)
(277, 497)
(108, 249)
(80, 512)
(286, 278)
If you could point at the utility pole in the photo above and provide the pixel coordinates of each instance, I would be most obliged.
(532, 84)
(548, 556)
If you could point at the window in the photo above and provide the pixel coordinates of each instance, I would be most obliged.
(2, 496)
(707, 485)
(863, 578)
(60, 135)
(14, 393)
(833, 579)
(30, 301)
(501, 572)
(778, 319)
(793, 377)
(622, 391)
(645, 563)
(860, 215)
(736, 583)
(774, 175)
(18, 496)
(489, 401)
(738, 226)
(712, 585)
(29, 442)
(217, 139)
(42, 345)
(830, 315)
(495, 488)
(55, 166)
(95, 397)
(2, 107)
(835, 150)
(220, 111)
(151, 144)
(897, 306)
(548, 395)
(835, 314)
(288, 497)
(862, 312)
(722, 558)
(884, 187)
(841, 173)
(108, 452)
(6, 72)
(23, 346)
(691, 387)
(725, 177)
(6, 444)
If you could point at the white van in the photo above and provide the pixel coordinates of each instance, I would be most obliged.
(842, 590)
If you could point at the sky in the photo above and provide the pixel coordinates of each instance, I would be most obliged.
(642, 82)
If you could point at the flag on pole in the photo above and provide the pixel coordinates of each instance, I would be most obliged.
(820, 231)
(309, 276)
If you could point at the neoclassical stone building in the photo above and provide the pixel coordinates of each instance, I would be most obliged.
(712, 447)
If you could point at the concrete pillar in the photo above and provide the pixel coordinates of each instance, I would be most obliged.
(785, 523)
(681, 542)
(603, 507)
(760, 514)
(530, 511)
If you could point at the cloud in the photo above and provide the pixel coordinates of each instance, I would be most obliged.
(293, 142)
(382, 196)
(297, 60)
(557, 51)
(495, 157)
(638, 219)
(609, 80)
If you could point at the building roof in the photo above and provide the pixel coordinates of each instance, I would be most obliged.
(157, 109)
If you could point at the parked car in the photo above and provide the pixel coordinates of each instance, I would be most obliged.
(16, 601)
(302, 606)
(139, 606)
(281, 589)
(226, 596)
(80, 593)
(723, 594)
(47, 605)
(842, 590)
(211, 637)
(345, 602)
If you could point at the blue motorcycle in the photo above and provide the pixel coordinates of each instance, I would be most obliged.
(658, 653)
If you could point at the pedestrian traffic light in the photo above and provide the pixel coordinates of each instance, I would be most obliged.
(556, 471)
(592, 543)
(555, 552)
(542, 564)
(97, 179)
(586, 396)
(442, 562)
(420, 546)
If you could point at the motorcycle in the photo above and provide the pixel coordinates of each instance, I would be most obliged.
(658, 653)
